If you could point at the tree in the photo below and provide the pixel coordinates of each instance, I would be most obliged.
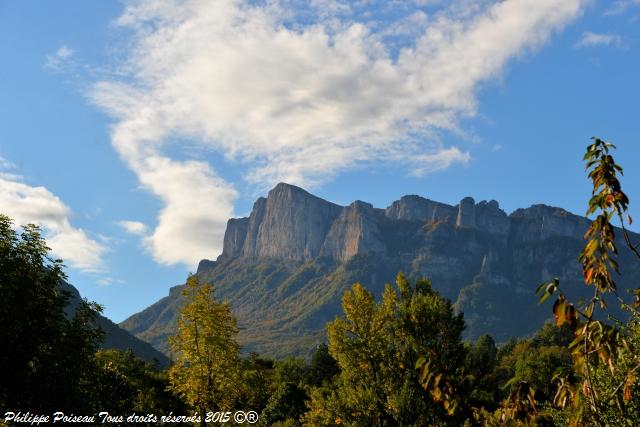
(286, 403)
(537, 367)
(597, 344)
(377, 346)
(481, 362)
(43, 349)
(607, 384)
(127, 384)
(323, 367)
(257, 376)
(292, 370)
(206, 373)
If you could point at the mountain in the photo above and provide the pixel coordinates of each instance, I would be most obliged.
(116, 337)
(286, 266)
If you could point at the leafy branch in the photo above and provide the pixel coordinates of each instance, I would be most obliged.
(594, 341)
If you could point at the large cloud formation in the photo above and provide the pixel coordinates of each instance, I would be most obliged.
(27, 204)
(299, 93)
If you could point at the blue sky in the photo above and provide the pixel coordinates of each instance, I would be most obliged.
(132, 131)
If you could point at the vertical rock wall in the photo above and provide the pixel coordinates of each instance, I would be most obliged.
(466, 213)
(292, 224)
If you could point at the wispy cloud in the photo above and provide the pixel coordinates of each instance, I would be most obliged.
(5, 164)
(57, 60)
(411, 26)
(298, 101)
(108, 281)
(591, 39)
(27, 204)
(621, 6)
(134, 227)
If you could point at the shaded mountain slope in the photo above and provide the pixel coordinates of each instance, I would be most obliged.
(116, 337)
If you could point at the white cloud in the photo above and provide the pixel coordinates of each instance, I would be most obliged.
(411, 26)
(27, 204)
(59, 58)
(621, 6)
(590, 39)
(443, 159)
(197, 206)
(5, 164)
(108, 281)
(298, 102)
(330, 8)
(134, 227)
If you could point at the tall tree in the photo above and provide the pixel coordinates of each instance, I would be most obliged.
(43, 349)
(207, 369)
(377, 346)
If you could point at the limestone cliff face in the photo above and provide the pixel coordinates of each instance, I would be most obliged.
(289, 224)
(356, 230)
(466, 213)
(492, 219)
(416, 208)
(540, 222)
(253, 226)
(292, 224)
(234, 237)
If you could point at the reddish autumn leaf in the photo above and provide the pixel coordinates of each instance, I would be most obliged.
(588, 274)
(627, 393)
(627, 386)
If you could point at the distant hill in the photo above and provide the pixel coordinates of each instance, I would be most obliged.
(116, 337)
(286, 266)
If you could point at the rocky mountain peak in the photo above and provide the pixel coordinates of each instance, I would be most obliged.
(416, 208)
(291, 223)
(539, 222)
(466, 213)
(361, 206)
(356, 230)
(284, 191)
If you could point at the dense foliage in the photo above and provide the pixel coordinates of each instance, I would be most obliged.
(43, 348)
(377, 345)
(206, 373)
(48, 354)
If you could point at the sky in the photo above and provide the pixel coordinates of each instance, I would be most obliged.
(131, 131)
